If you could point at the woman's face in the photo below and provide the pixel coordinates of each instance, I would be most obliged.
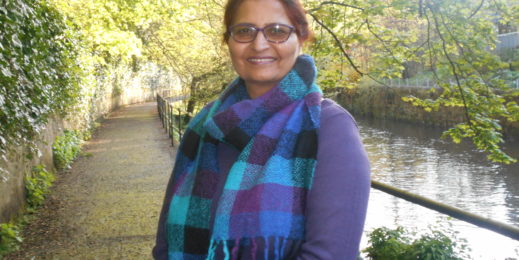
(262, 63)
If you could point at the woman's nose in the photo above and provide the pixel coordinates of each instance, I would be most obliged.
(260, 43)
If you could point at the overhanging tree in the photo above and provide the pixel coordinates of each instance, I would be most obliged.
(454, 40)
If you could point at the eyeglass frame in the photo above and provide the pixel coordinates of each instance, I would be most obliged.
(262, 30)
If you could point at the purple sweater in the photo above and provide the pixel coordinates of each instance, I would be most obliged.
(336, 204)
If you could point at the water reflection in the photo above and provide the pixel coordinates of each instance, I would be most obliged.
(415, 159)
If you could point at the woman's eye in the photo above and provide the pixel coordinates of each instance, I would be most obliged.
(244, 30)
(278, 30)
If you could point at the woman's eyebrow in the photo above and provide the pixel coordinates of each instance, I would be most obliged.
(251, 24)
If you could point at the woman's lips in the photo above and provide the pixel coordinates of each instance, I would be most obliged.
(261, 60)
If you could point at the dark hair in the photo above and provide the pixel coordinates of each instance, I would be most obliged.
(295, 12)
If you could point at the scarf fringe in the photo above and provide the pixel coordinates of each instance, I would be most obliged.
(279, 244)
(235, 249)
(211, 254)
(254, 248)
(225, 250)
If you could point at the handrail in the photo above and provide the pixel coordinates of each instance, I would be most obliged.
(165, 100)
(496, 226)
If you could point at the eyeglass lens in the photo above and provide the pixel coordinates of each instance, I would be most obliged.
(274, 33)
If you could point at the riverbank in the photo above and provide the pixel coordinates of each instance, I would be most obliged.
(386, 103)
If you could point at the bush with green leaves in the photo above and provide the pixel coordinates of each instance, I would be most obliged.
(37, 186)
(398, 244)
(66, 148)
(10, 238)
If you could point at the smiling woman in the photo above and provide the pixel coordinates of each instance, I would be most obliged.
(269, 170)
(260, 63)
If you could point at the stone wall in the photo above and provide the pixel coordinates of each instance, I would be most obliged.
(12, 191)
(387, 103)
(123, 87)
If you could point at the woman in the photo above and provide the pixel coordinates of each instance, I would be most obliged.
(269, 170)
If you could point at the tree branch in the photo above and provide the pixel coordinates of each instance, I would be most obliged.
(453, 67)
(432, 51)
(381, 41)
(334, 3)
(464, 55)
(477, 9)
(339, 44)
(420, 8)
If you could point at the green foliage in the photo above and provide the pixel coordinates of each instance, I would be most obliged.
(397, 244)
(387, 244)
(37, 186)
(186, 36)
(66, 148)
(37, 69)
(106, 28)
(452, 40)
(10, 238)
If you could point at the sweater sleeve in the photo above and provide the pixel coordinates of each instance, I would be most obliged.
(337, 203)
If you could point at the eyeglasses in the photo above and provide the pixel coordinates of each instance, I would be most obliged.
(275, 33)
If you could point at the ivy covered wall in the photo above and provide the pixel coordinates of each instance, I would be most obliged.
(38, 65)
(54, 76)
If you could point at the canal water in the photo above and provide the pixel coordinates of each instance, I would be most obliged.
(414, 158)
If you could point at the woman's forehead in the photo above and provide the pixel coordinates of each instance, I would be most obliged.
(261, 12)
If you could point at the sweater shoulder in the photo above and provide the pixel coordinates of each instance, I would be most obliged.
(331, 112)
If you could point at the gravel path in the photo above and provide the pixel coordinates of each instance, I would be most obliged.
(107, 205)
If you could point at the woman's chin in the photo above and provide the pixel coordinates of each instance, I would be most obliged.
(262, 81)
(266, 77)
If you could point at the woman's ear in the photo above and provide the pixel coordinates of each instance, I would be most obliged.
(301, 44)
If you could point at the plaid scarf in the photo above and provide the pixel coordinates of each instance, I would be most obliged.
(264, 196)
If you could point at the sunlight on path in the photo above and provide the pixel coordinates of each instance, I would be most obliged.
(107, 205)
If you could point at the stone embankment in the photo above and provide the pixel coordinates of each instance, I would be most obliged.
(387, 103)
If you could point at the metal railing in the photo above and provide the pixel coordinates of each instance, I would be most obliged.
(410, 83)
(507, 41)
(427, 83)
(496, 226)
(171, 116)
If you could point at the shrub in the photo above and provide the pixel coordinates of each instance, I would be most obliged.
(9, 238)
(397, 244)
(37, 186)
(66, 148)
(387, 244)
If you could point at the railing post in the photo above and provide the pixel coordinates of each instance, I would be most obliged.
(167, 118)
(172, 122)
(179, 125)
(172, 126)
